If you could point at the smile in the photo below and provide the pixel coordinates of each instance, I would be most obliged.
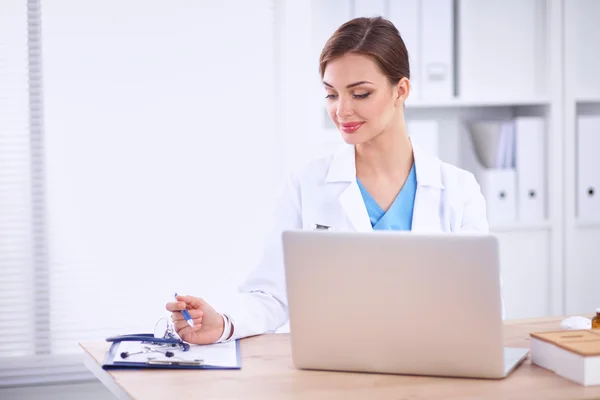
(350, 127)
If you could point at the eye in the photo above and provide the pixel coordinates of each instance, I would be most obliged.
(361, 96)
(330, 96)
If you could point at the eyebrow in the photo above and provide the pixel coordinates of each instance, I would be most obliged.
(350, 85)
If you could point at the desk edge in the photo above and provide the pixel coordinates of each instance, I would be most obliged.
(103, 376)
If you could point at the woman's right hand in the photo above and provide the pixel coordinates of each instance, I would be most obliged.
(208, 324)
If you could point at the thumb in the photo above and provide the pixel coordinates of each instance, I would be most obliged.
(191, 301)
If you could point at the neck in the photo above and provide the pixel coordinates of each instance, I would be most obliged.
(389, 154)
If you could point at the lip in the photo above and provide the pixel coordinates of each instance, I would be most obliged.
(349, 127)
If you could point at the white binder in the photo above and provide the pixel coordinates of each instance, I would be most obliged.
(369, 8)
(437, 38)
(487, 29)
(588, 168)
(498, 182)
(530, 164)
(498, 186)
(328, 16)
(406, 17)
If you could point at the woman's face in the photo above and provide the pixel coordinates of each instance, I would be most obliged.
(361, 102)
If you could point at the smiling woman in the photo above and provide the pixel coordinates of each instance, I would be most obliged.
(379, 181)
(365, 71)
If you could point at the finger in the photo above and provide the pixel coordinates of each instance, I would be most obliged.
(176, 306)
(188, 335)
(183, 330)
(185, 333)
(191, 301)
(177, 316)
(180, 325)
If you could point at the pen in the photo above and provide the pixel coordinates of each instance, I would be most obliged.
(186, 315)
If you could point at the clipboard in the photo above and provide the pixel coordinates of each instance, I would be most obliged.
(113, 360)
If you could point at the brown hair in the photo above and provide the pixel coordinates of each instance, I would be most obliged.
(376, 37)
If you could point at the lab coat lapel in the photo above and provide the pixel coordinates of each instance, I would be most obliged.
(426, 210)
(354, 206)
(343, 170)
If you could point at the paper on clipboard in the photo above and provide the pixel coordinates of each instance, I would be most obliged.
(141, 354)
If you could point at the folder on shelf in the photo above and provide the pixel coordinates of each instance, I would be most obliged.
(437, 49)
(328, 16)
(424, 133)
(494, 143)
(588, 168)
(530, 163)
(489, 154)
(406, 16)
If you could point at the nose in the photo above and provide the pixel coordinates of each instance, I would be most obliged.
(344, 108)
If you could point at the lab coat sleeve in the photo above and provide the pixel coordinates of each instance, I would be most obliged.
(474, 213)
(475, 218)
(260, 306)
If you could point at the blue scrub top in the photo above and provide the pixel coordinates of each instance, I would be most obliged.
(399, 216)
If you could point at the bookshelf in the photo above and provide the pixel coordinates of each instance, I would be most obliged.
(530, 71)
(581, 98)
(475, 103)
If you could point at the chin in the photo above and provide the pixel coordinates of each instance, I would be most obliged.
(353, 138)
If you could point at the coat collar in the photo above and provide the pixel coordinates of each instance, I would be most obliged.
(343, 167)
(429, 184)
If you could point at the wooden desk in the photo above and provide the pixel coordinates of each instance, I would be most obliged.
(268, 373)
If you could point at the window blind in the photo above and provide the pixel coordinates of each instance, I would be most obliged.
(16, 191)
(25, 351)
(144, 162)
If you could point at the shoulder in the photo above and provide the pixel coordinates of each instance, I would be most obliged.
(315, 170)
(458, 179)
(432, 171)
(464, 204)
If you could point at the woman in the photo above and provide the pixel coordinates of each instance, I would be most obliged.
(380, 181)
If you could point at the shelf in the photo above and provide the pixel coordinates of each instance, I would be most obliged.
(588, 98)
(581, 224)
(458, 102)
(522, 227)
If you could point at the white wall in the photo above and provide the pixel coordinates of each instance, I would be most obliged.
(161, 153)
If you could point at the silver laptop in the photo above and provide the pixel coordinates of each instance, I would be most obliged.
(397, 302)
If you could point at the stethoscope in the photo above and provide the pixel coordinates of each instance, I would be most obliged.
(163, 336)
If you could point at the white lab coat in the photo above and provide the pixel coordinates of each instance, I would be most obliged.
(325, 192)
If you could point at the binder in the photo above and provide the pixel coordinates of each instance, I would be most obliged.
(486, 153)
(406, 16)
(588, 168)
(369, 8)
(487, 29)
(425, 134)
(328, 16)
(498, 186)
(437, 38)
(530, 163)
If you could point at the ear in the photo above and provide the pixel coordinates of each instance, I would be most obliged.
(401, 92)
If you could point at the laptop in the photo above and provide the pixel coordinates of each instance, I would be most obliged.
(397, 302)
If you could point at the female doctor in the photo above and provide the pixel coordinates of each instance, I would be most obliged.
(380, 181)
